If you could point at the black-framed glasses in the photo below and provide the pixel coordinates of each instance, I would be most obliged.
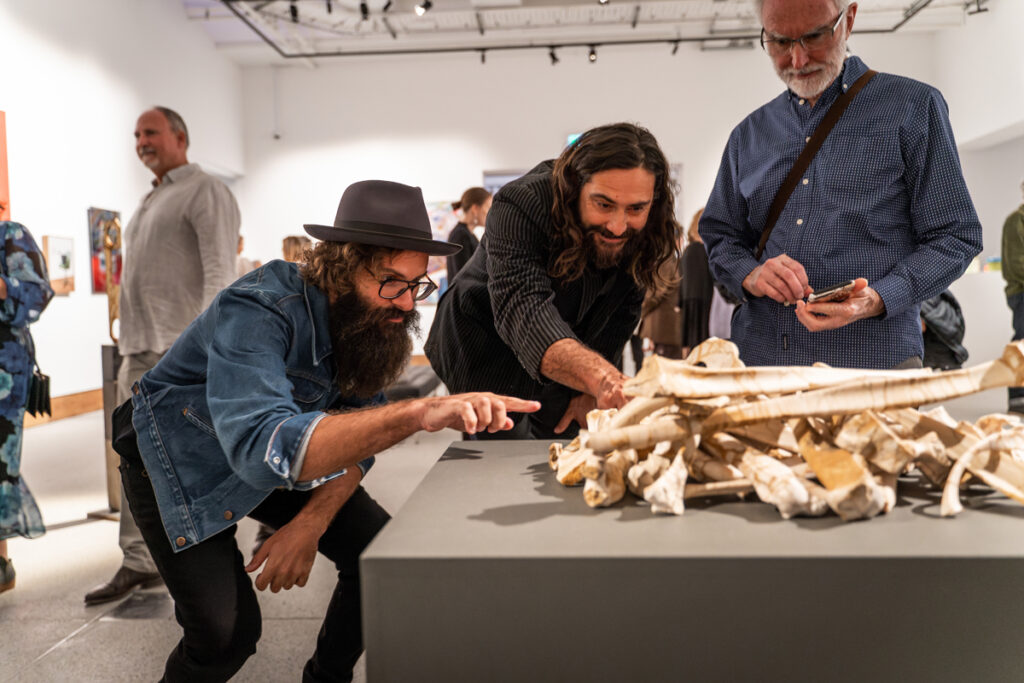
(393, 287)
(815, 40)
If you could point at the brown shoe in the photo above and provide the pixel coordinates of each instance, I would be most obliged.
(124, 581)
(6, 575)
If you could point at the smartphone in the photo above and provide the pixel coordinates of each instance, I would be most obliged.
(834, 293)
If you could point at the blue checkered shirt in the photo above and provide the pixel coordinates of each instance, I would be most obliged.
(884, 199)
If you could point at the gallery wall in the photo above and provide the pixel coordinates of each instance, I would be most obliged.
(75, 75)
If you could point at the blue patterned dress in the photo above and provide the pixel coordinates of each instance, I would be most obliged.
(28, 292)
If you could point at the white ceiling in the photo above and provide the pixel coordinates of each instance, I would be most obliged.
(328, 29)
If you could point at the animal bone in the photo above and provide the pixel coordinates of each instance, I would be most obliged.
(880, 392)
(777, 485)
(639, 436)
(869, 436)
(715, 353)
(668, 492)
(768, 434)
(646, 472)
(992, 461)
(853, 492)
(610, 485)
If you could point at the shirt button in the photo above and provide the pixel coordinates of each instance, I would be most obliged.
(806, 181)
(801, 101)
(180, 541)
(799, 221)
(229, 515)
(277, 460)
(807, 139)
(845, 86)
(135, 389)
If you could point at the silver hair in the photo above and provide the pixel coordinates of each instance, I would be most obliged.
(176, 122)
(840, 6)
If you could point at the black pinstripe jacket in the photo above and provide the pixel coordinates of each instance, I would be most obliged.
(503, 311)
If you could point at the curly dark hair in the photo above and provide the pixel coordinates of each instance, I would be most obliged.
(331, 266)
(615, 146)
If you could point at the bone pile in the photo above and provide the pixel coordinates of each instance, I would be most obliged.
(804, 439)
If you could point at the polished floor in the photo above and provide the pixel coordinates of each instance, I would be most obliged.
(48, 634)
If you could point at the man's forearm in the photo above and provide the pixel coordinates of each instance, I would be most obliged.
(569, 362)
(327, 499)
(342, 440)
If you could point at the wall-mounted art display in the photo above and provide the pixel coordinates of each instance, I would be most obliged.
(104, 239)
(60, 261)
(5, 194)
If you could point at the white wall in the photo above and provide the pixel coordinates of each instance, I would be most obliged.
(75, 75)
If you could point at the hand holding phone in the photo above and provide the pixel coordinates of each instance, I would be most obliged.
(837, 292)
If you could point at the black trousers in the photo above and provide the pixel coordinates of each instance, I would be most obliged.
(214, 600)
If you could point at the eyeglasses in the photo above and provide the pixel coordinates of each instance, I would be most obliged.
(815, 40)
(393, 287)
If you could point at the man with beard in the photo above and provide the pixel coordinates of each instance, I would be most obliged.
(882, 203)
(546, 304)
(268, 406)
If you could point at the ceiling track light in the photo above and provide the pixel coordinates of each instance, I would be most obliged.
(593, 54)
(675, 46)
(364, 10)
(483, 56)
(423, 7)
(293, 10)
(602, 2)
(329, 7)
(386, 7)
(977, 7)
(552, 55)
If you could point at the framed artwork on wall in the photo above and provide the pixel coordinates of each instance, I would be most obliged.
(103, 224)
(60, 261)
(5, 198)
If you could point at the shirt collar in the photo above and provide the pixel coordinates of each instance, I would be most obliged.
(177, 174)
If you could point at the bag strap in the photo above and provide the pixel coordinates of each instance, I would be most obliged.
(804, 160)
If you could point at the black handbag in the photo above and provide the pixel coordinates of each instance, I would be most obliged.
(38, 393)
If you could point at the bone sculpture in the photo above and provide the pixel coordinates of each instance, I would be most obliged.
(804, 439)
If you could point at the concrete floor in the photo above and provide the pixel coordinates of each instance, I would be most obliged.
(48, 634)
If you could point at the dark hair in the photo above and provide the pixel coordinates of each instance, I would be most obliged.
(176, 122)
(615, 146)
(331, 266)
(474, 196)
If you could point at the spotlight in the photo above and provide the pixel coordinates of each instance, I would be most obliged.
(552, 55)
(329, 7)
(675, 46)
(386, 7)
(423, 7)
(593, 54)
(483, 56)
(293, 10)
(364, 10)
(602, 2)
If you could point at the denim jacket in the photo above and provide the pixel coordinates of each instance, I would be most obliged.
(226, 415)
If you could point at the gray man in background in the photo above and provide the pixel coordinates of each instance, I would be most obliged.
(179, 251)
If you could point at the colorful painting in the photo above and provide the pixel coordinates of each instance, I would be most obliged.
(5, 193)
(60, 261)
(100, 220)
(442, 219)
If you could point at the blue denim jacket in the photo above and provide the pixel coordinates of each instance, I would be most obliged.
(226, 415)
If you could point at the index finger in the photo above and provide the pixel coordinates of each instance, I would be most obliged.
(518, 405)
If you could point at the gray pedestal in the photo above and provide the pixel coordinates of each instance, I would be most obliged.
(493, 571)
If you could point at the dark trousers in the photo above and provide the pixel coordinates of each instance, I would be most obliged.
(1016, 304)
(214, 600)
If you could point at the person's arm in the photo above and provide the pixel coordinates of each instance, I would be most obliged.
(289, 553)
(214, 216)
(24, 279)
(940, 211)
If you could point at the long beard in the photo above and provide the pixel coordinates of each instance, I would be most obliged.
(600, 256)
(369, 352)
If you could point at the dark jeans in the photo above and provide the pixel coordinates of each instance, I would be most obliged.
(1016, 304)
(214, 600)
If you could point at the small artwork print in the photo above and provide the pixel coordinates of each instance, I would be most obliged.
(104, 237)
(60, 262)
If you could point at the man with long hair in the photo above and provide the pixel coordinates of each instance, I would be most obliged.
(268, 406)
(883, 203)
(546, 304)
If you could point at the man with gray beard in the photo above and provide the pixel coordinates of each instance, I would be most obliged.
(883, 203)
(269, 406)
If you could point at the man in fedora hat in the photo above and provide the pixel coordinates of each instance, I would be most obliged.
(269, 406)
(549, 300)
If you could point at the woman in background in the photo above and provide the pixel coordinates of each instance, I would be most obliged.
(24, 293)
(475, 203)
(294, 246)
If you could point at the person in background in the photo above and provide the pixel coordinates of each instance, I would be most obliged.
(24, 293)
(1013, 274)
(282, 426)
(883, 203)
(294, 246)
(244, 265)
(475, 203)
(707, 305)
(545, 307)
(180, 249)
(662, 314)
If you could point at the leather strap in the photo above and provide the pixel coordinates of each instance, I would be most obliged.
(804, 160)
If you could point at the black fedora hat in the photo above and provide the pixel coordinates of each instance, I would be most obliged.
(385, 214)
